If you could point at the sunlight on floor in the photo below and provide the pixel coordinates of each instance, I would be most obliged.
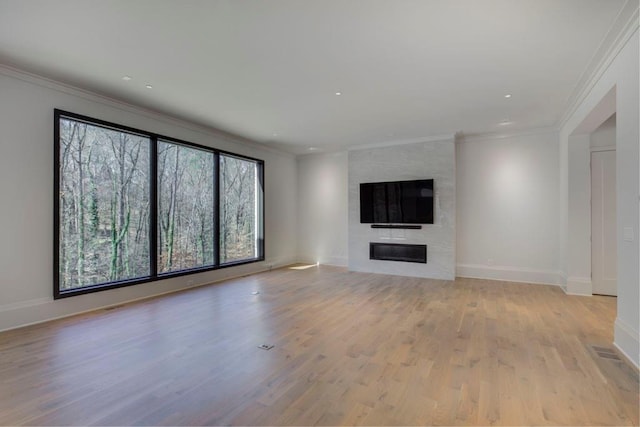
(304, 267)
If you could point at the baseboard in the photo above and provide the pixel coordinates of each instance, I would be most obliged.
(509, 274)
(24, 304)
(306, 260)
(31, 312)
(335, 261)
(627, 340)
(579, 286)
(563, 281)
(272, 263)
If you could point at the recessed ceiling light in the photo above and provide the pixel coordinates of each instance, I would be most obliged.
(275, 134)
(312, 148)
(338, 93)
(126, 78)
(505, 122)
(508, 96)
(149, 87)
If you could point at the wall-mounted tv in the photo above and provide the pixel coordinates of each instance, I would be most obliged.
(398, 202)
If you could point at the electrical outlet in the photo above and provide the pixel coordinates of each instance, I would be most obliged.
(490, 261)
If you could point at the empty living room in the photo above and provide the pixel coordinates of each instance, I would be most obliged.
(320, 212)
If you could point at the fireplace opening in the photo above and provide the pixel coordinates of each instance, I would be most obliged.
(398, 252)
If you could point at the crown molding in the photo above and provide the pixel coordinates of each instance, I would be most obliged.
(435, 138)
(68, 89)
(329, 152)
(624, 27)
(461, 138)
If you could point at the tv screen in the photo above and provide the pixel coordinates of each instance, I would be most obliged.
(398, 202)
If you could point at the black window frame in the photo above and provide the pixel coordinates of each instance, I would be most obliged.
(154, 275)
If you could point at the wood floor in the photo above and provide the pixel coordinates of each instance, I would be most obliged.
(349, 349)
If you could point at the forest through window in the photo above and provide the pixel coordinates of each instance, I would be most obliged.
(238, 209)
(185, 207)
(135, 207)
(104, 205)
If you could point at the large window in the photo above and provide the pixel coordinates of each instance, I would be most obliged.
(239, 221)
(133, 206)
(186, 221)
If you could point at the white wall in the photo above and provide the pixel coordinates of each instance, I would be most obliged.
(579, 223)
(502, 231)
(507, 204)
(323, 208)
(621, 74)
(26, 189)
(578, 281)
(605, 135)
(427, 160)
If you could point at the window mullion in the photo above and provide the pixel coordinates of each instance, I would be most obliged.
(153, 206)
(216, 208)
(260, 208)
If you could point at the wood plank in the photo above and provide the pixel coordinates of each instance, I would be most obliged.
(349, 349)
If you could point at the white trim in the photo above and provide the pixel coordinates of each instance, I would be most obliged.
(617, 37)
(579, 286)
(509, 274)
(33, 312)
(477, 137)
(161, 116)
(603, 148)
(563, 281)
(336, 261)
(272, 263)
(24, 304)
(627, 341)
(436, 138)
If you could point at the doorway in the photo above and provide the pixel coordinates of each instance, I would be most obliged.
(603, 208)
(603, 223)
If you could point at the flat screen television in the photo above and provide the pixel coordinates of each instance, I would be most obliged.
(397, 202)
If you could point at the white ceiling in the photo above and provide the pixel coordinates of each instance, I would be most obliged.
(406, 69)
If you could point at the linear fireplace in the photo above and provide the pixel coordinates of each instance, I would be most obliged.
(398, 252)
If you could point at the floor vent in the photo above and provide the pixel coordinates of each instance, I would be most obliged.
(605, 352)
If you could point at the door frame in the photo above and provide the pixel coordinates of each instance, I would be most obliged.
(591, 151)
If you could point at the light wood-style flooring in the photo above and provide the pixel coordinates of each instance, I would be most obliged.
(349, 349)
